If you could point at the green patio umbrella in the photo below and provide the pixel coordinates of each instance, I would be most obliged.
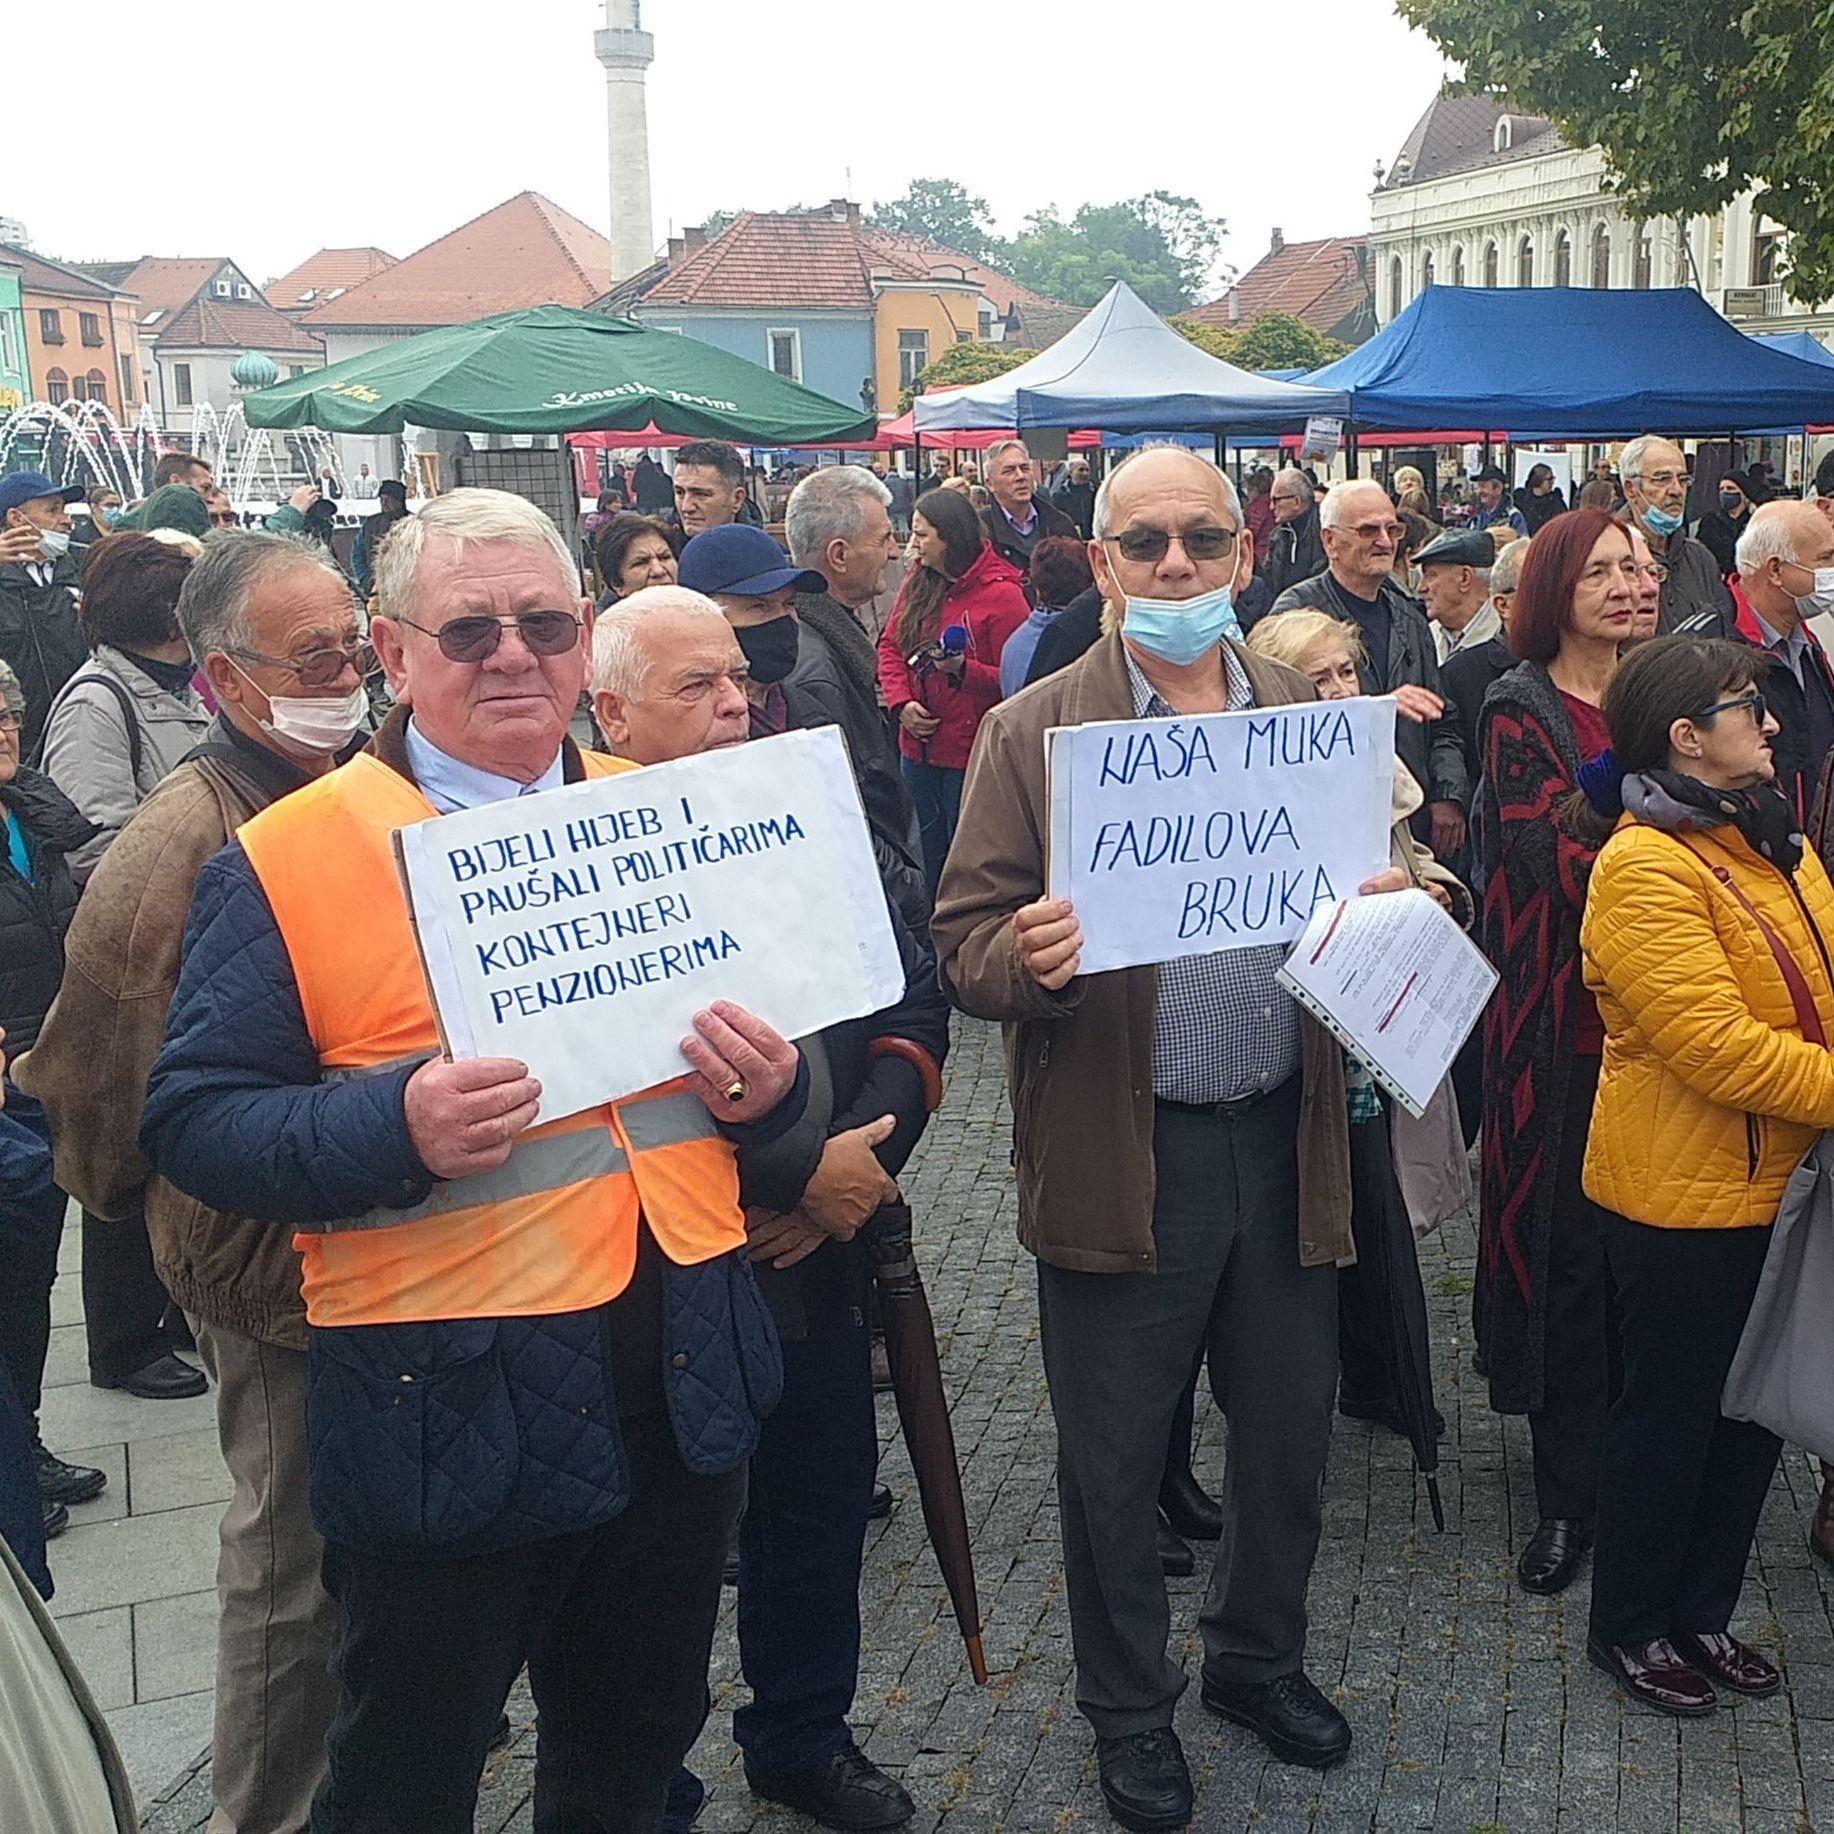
(552, 369)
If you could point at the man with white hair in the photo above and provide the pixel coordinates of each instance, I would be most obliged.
(536, 1359)
(1785, 577)
(1695, 599)
(1018, 518)
(1296, 548)
(1360, 531)
(667, 680)
(1182, 1145)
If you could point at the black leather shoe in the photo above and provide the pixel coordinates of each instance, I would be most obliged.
(1145, 1780)
(881, 1505)
(843, 1790)
(1289, 1715)
(165, 1378)
(62, 1483)
(1176, 1561)
(1189, 1509)
(57, 1519)
(1555, 1553)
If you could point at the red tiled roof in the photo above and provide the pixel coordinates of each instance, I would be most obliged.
(814, 261)
(526, 252)
(935, 258)
(305, 286)
(1319, 282)
(238, 324)
(164, 283)
(39, 274)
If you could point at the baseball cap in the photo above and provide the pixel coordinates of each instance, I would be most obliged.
(19, 487)
(742, 560)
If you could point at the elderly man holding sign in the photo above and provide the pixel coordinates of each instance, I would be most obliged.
(1183, 1160)
(537, 1354)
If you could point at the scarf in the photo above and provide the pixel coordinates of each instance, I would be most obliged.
(1677, 804)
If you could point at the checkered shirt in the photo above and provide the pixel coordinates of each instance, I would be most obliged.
(1225, 1027)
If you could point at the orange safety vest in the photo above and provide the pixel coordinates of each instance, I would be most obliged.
(554, 1228)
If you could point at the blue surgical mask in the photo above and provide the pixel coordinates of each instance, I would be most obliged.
(1178, 631)
(1663, 522)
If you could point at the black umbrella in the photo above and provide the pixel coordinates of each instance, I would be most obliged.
(923, 1412)
(1388, 1296)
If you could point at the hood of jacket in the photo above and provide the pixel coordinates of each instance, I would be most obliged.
(988, 567)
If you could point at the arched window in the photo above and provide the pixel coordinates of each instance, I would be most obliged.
(1395, 285)
(1426, 270)
(98, 386)
(1525, 262)
(1601, 256)
(1458, 265)
(57, 387)
(1563, 259)
(1491, 275)
(1504, 137)
(1641, 281)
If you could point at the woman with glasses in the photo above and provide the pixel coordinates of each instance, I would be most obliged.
(1706, 943)
(1540, 1310)
(939, 657)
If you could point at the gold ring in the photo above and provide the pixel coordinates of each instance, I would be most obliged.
(735, 1091)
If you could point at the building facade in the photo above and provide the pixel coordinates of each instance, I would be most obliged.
(1480, 195)
(15, 384)
(81, 343)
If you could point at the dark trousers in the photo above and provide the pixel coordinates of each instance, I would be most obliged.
(614, 1622)
(937, 792)
(123, 1301)
(31, 1226)
(1682, 1486)
(1118, 1350)
(804, 1530)
(1567, 1430)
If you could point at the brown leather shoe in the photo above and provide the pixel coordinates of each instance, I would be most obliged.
(1821, 1535)
(1737, 1665)
(1656, 1674)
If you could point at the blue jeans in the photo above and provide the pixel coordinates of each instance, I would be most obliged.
(937, 792)
(31, 1225)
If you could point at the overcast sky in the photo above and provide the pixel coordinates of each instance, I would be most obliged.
(264, 133)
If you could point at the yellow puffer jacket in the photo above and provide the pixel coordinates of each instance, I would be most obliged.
(1709, 1093)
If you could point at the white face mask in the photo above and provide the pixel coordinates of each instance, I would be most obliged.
(53, 544)
(311, 723)
(1812, 604)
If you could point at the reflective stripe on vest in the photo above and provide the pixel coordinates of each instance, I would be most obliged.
(554, 1228)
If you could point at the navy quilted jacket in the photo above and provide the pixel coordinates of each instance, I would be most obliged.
(447, 1438)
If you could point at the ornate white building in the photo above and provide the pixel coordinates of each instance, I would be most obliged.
(1482, 196)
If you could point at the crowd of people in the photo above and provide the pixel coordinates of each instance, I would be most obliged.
(500, 1392)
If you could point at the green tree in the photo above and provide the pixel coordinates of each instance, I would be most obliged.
(1217, 340)
(940, 210)
(1277, 340)
(1691, 105)
(1163, 246)
(962, 364)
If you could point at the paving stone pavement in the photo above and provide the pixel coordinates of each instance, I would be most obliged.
(1474, 1707)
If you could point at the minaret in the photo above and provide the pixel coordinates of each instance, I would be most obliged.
(626, 51)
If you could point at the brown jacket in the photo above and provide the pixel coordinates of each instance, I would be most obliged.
(1079, 1063)
(91, 1062)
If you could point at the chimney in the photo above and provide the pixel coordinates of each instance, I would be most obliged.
(1235, 305)
(695, 237)
(1279, 245)
(838, 209)
(1362, 261)
(853, 215)
(676, 246)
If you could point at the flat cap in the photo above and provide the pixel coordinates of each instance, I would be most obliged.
(1458, 548)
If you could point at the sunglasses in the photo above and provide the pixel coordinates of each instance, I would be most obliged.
(320, 668)
(544, 633)
(1760, 708)
(1153, 544)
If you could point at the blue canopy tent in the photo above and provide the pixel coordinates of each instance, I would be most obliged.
(1122, 369)
(1574, 363)
(1803, 344)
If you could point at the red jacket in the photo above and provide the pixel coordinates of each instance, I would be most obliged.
(989, 599)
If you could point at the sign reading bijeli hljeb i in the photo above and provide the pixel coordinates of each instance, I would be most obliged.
(582, 928)
(1216, 831)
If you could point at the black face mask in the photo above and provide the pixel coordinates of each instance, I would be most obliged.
(770, 648)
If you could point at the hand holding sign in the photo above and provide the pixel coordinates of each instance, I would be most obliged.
(743, 1068)
(1049, 941)
(464, 1117)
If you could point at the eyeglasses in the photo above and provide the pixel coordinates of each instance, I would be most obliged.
(1152, 545)
(1372, 531)
(320, 668)
(223, 518)
(11, 719)
(1661, 480)
(544, 633)
(1760, 708)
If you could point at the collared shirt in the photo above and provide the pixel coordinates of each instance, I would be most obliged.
(1486, 622)
(1225, 1028)
(1792, 651)
(451, 785)
(1025, 527)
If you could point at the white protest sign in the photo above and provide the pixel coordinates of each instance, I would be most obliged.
(581, 929)
(1324, 433)
(1218, 831)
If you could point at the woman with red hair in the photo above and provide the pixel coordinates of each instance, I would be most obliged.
(1540, 1311)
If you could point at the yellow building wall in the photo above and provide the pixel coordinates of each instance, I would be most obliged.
(944, 315)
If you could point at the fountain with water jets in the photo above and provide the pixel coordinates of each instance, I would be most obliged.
(82, 443)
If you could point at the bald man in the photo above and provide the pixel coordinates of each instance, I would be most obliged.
(1785, 577)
